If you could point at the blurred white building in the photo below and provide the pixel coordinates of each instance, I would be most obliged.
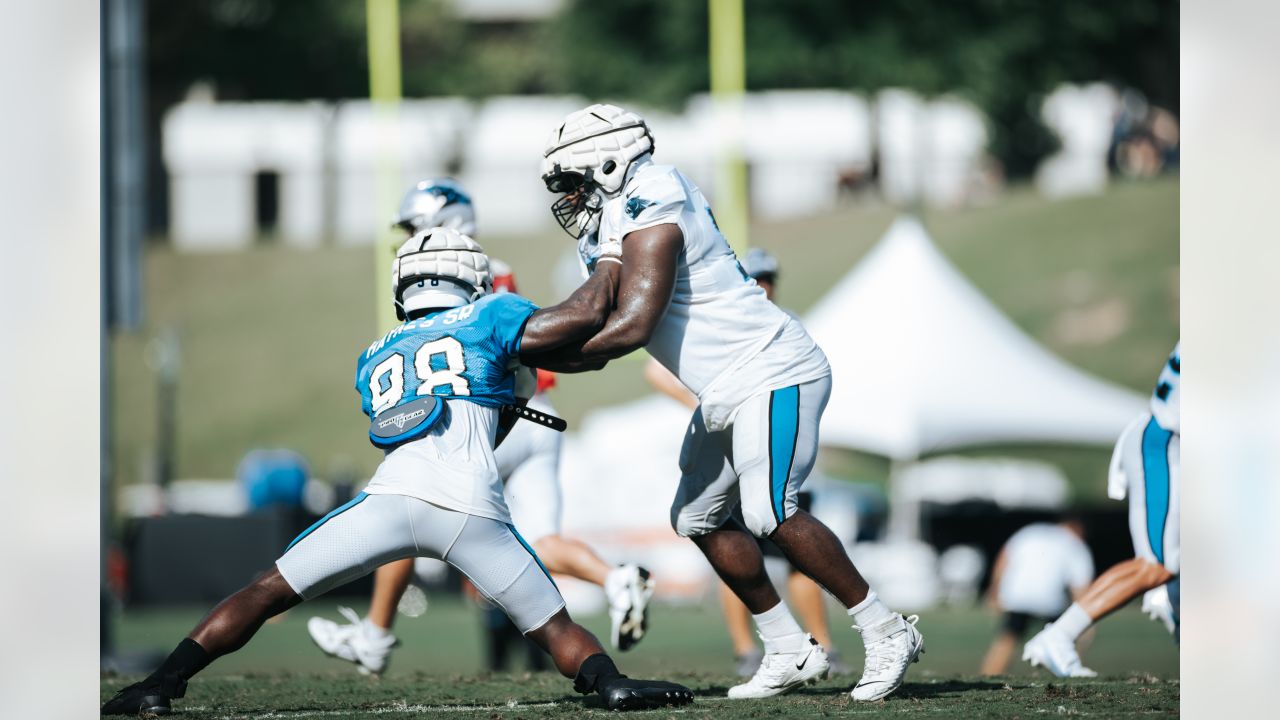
(316, 165)
(214, 153)
(798, 144)
(502, 161)
(930, 151)
(419, 140)
(1083, 118)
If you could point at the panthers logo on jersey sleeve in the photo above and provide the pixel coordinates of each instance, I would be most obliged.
(463, 353)
(654, 196)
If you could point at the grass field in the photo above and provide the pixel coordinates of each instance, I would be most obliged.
(269, 336)
(438, 672)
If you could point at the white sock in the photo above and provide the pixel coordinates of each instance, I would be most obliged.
(373, 632)
(870, 611)
(1073, 622)
(779, 630)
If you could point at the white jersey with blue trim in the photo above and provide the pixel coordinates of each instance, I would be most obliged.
(1164, 411)
(1165, 398)
(720, 335)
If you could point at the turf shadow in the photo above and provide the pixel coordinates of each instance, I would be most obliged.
(927, 690)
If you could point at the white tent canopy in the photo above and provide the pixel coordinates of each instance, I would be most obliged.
(922, 362)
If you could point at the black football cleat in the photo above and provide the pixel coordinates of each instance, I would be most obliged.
(628, 694)
(141, 698)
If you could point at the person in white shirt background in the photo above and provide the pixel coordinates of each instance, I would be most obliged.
(1037, 574)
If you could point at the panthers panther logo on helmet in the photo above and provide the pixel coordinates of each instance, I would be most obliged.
(439, 268)
(440, 202)
(587, 159)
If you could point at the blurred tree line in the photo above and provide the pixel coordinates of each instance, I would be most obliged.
(1001, 54)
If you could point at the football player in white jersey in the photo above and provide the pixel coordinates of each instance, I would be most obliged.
(1145, 467)
(1035, 576)
(803, 592)
(529, 464)
(762, 383)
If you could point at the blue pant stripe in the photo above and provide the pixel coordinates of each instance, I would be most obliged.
(536, 559)
(1155, 471)
(784, 426)
(332, 514)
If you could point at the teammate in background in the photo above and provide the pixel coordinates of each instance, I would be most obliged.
(439, 392)
(529, 464)
(1038, 572)
(1145, 466)
(805, 594)
(761, 381)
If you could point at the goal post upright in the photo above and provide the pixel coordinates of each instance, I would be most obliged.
(728, 67)
(383, 33)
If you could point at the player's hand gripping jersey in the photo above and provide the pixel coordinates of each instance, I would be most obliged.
(720, 336)
(462, 356)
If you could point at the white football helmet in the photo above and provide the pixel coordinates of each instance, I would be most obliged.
(440, 202)
(439, 268)
(587, 160)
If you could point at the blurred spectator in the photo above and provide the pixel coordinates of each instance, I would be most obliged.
(1036, 575)
(1145, 138)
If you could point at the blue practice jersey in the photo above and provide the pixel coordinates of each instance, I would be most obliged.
(463, 353)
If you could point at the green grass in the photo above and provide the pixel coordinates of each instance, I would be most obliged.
(269, 335)
(438, 671)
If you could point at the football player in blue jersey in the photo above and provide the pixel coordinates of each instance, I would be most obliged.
(1145, 466)
(439, 392)
(528, 463)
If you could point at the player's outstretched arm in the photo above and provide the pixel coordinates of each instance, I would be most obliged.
(648, 275)
(580, 316)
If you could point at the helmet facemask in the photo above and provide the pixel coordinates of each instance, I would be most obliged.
(582, 199)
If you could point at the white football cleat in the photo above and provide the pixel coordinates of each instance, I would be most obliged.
(351, 642)
(1055, 652)
(781, 672)
(629, 589)
(892, 646)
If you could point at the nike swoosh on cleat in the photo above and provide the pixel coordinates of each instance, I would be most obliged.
(800, 665)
